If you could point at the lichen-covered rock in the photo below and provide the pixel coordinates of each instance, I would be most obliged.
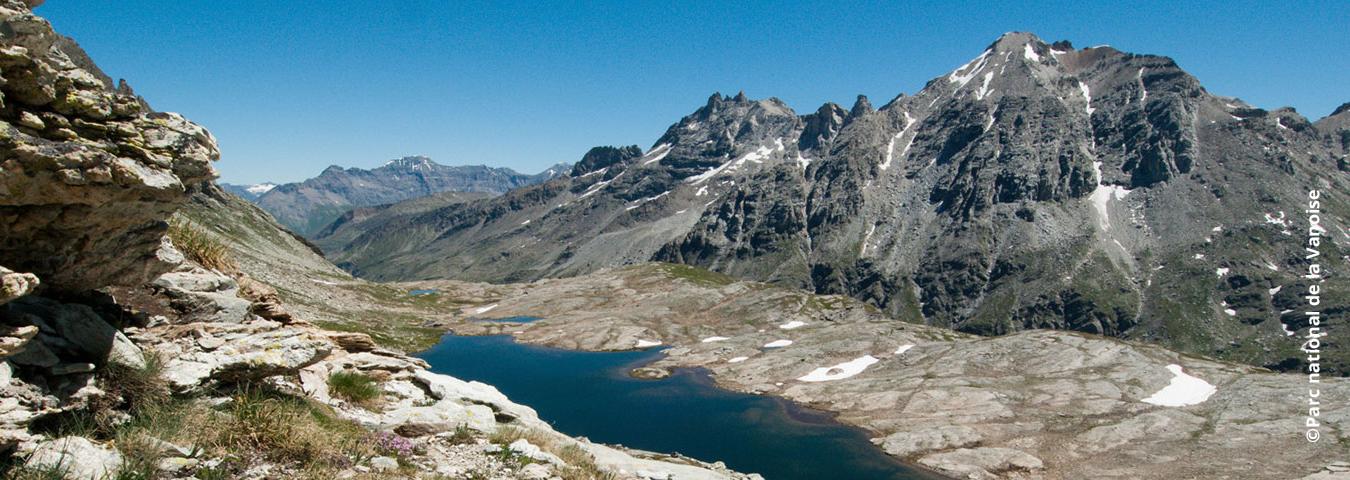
(76, 458)
(201, 295)
(87, 174)
(238, 352)
(14, 285)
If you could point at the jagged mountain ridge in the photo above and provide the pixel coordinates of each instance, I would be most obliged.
(312, 204)
(1037, 186)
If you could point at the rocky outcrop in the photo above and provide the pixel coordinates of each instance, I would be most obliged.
(421, 406)
(87, 175)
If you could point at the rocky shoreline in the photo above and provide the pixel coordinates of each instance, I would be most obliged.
(1036, 404)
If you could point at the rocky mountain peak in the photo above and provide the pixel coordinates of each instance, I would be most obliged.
(1345, 107)
(410, 163)
(1018, 42)
(822, 126)
(861, 107)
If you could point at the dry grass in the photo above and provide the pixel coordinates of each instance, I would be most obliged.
(288, 429)
(580, 464)
(200, 246)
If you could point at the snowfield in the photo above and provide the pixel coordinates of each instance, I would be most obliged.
(840, 371)
(1184, 390)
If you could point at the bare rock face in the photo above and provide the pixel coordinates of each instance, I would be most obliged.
(87, 173)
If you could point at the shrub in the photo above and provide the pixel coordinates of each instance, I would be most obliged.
(199, 246)
(354, 387)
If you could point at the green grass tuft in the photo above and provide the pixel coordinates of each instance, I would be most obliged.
(354, 387)
(199, 246)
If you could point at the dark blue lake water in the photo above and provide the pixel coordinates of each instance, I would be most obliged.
(590, 394)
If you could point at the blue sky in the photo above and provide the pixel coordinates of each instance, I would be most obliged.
(289, 88)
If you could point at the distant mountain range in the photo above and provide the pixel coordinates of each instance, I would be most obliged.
(309, 206)
(249, 192)
(1037, 186)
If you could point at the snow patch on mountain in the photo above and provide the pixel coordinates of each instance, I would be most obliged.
(1182, 391)
(261, 188)
(840, 371)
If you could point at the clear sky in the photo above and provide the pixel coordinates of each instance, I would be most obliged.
(289, 88)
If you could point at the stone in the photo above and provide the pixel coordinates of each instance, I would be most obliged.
(384, 464)
(983, 462)
(14, 339)
(445, 387)
(372, 361)
(353, 341)
(178, 464)
(524, 448)
(442, 416)
(14, 285)
(255, 352)
(125, 353)
(535, 471)
(71, 330)
(77, 457)
(653, 475)
(202, 295)
(905, 443)
(35, 354)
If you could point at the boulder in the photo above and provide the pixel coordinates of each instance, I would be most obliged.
(526, 449)
(252, 351)
(384, 464)
(71, 331)
(202, 295)
(445, 387)
(352, 341)
(77, 458)
(442, 416)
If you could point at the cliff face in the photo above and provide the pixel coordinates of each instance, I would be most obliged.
(87, 173)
